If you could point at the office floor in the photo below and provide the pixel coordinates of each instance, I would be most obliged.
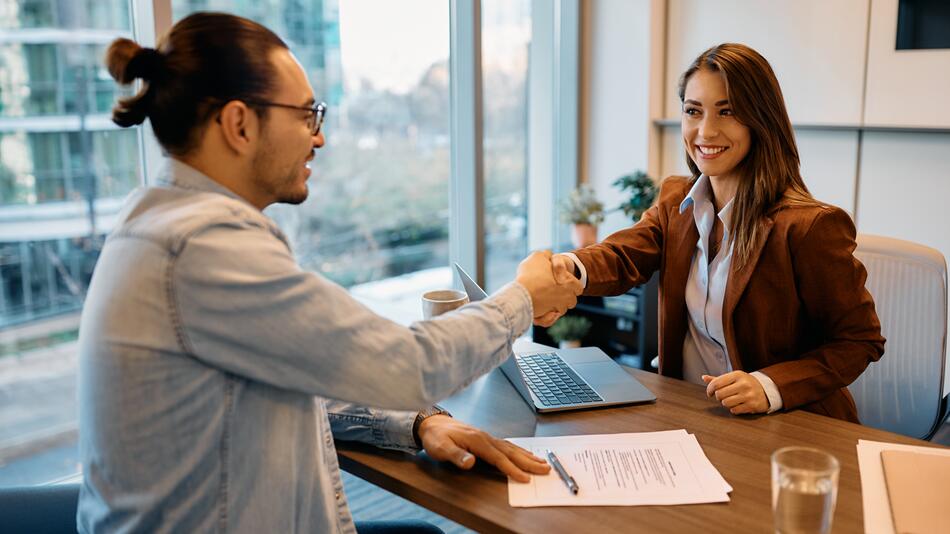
(371, 503)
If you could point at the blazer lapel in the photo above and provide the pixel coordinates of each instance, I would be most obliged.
(735, 286)
(683, 238)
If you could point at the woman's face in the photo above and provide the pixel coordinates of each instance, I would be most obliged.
(714, 139)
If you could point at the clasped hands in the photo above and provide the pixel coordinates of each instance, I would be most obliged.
(551, 282)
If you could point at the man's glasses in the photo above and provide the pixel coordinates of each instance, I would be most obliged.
(314, 118)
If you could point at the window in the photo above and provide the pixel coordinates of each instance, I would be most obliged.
(506, 36)
(378, 204)
(64, 170)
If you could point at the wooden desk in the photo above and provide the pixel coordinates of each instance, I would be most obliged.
(740, 447)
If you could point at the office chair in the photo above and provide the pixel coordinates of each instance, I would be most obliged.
(39, 509)
(903, 392)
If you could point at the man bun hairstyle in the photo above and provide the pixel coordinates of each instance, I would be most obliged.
(205, 61)
(126, 61)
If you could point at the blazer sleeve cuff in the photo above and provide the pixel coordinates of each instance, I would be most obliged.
(771, 391)
(580, 267)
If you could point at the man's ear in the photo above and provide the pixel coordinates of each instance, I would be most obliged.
(239, 126)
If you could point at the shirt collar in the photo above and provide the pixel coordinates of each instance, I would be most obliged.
(700, 193)
(180, 174)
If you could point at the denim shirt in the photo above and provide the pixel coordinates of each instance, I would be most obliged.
(215, 372)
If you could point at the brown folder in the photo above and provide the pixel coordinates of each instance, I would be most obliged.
(918, 487)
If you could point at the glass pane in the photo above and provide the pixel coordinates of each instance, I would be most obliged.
(64, 170)
(378, 205)
(506, 36)
(54, 78)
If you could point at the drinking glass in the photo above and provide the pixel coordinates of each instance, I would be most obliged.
(804, 490)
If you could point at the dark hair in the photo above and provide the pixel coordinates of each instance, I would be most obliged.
(205, 60)
(771, 169)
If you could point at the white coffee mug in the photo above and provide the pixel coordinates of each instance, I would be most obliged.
(442, 300)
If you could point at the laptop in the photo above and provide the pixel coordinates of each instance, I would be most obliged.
(557, 380)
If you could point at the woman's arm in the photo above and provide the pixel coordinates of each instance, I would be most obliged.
(830, 283)
(629, 257)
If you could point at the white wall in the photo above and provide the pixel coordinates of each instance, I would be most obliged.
(618, 121)
(829, 165)
(816, 48)
(905, 184)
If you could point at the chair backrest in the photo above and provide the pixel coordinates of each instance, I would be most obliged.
(903, 392)
(39, 509)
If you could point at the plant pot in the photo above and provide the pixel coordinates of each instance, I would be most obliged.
(583, 235)
(569, 344)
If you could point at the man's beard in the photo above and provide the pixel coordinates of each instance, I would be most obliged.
(279, 184)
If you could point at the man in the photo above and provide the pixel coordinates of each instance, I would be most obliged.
(214, 372)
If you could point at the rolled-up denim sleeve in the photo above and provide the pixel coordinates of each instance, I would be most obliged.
(242, 304)
(389, 429)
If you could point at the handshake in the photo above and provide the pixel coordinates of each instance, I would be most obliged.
(551, 282)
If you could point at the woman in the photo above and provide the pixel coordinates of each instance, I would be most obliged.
(761, 298)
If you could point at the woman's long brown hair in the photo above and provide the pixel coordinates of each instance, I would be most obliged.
(770, 171)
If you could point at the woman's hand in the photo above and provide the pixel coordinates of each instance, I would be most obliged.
(739, 391)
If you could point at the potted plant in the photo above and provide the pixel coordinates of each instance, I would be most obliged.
(569, 330)
(642, 190)
(582, 209)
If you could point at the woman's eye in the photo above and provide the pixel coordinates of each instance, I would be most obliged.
(726, 112)
(691, 111)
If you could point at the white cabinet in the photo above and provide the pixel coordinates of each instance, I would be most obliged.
(816, 47)
(906, 88)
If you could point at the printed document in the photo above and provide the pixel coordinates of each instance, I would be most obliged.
(622, 470)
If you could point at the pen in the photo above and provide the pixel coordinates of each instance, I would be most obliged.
(568, 479)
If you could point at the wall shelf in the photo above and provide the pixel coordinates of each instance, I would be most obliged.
(670, 123)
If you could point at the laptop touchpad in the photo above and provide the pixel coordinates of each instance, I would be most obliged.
(602, 373)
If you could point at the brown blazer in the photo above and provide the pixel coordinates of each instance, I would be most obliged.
(798, 311)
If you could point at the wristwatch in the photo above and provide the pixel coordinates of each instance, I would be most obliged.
(421, 416)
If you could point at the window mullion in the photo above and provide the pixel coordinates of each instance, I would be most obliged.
(553, 117)
(466, 183)
(150, 19)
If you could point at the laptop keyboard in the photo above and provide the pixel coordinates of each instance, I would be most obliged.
(554, 382)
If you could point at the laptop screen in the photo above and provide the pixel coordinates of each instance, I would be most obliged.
(475, 293)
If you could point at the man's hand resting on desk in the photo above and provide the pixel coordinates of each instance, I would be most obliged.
(551, 296)
(448, 440)
(739, 391)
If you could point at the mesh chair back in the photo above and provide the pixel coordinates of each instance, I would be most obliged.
(903, 392)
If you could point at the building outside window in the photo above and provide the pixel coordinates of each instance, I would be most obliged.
(506, 38)
(378, 205)
(64, 170)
